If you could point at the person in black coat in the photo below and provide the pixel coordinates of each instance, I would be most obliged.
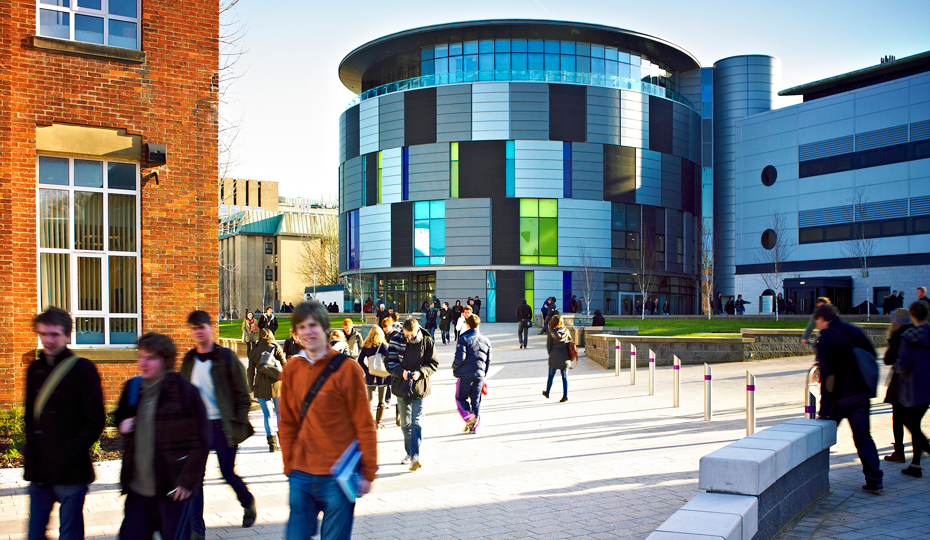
(445, 320)
(598, 319)
(844, 393)
(900, 322)
(164, 425)
(269, 321)
(62, 422)
(524, 322)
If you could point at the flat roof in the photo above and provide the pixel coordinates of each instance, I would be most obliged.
(872, 75)
(353, 66)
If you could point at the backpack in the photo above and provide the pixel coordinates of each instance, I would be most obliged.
(868, 367)
(269, 366)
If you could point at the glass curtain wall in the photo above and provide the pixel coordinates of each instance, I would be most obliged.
(539, 231)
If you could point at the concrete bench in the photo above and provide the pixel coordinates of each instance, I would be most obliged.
(756, 485)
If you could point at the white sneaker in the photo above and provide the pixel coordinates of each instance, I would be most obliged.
(405, 461)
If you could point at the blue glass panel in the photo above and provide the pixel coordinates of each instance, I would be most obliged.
(518, 46)
(597, 51)
(89, 4)
(421, 210)
(455, 49)
(123, 8)
(518, 61)
(707, 109)
(511, 180)
(707, 76)
(437, 237)
(567, 170)
(427, 67)
(441, 51)
(441, 65)
(470, 47)
(492, 280)
(612, 68)
(88, 173)
(502, 45)
(54, 24)
(491, 310)
(437, 260)
(597, 66)
(486, 62)
(502, 61)
(567, 47)
(421, 261)
(635, 60)
(707, 93)
(623, 57)
(121, 176)
(122, 34)
(623, 70)
(552, 62)
(471, 62)
(534, 46)
(426, 54)
(53, 171)
(535, 61)
(568, 63)
(456, 64)
(552, 47)
(583, 49)
(421, 238)
(582, 64)
(485, 46)
(635, 73)
(437, 209)
(509, 147)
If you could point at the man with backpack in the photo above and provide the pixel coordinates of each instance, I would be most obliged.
(845, 388)
(64, 418)
(220, 377)
(268, 320)
(266, 361)
(161, 417)
(324, 409)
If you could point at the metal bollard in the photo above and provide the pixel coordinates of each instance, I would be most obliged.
(750, 403)
(676, 378)
(632, 364)
(708, 378)
(810, 410)
(652, 372)
(617, 357)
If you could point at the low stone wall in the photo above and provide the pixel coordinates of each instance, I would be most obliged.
(690, 350)
(779, 343)
(578, 332)
(569, 319)
(757, 485)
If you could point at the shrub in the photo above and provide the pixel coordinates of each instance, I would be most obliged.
(12, 427)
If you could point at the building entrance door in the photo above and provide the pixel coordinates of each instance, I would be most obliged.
(628, 302)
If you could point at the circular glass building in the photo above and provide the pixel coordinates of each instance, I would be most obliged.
(520, 159)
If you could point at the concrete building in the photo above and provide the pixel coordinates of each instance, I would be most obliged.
(108, 167)
(241, 195)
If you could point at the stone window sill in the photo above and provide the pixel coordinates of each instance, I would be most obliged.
(93, 50)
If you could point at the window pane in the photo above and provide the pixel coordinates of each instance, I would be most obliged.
(548, 237)
(427, 67)
(582, 64)
(611, 53)
(122, 285)
(528, 280)
(56, 281)
(53, 219)
(421, 210)
(548, 260)
(122, 34)
(88, 173)
(437, 238)
(89, 331)
(502, 61)
(597, 51)
(121, 176)
(548, 208)
(421, 238)
(123, 331)
(59, 3)
(122, 223)
(124, 8)
(88, 220)
(437, 209)
(529, 236)
(455, 49)
(441, 51)
(53, 171)
(88, 29)
(552, 62)
(535, 61)
(529, 207)
(486, 46)
(597, 66)
(90, 285)
(89, 4)
(471, 47)
(518, 61)
(529, 259)
(518, 45)
(471, 62)
(54, 24)
(486, 62)
(441, 65)
(568, 63)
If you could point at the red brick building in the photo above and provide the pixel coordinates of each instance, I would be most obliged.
(89, 221)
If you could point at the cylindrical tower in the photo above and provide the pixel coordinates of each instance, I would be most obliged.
(743, 86)
(516, 160)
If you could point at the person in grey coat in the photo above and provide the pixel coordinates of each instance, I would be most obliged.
(557, 340)
(913, 367)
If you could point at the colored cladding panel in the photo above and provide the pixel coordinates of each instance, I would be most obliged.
(660, 125)
(454, 170)
(352, 235)
(588, 171)
(634, 119)
(405, 174)
(511, 290)
(619, 174)
(482, 169)
(453, 113)
(538, 171)
(375, 236)
(368, 126)
(391, 121)
(505, 225)
(353, 184)
(567, 170)
(648, 177)
(402, 229)
(392, 175)
(420, 116)
(529, 111)
(547, 283)
(343, 241)
(567, 113)
(429, 172)
(511, 168)
(352, 132)
(690, 186)
(566, 290)
(671, 182)
(583, 227)
(603, 115)
(468, 231)
(372, 179)
(490, 111)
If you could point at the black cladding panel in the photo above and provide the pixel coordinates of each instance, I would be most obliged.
(567, 113)
(352, 140)
(482, 169)
(510, 292)
(402, 234)
(619, 174)
(420, 117)
(660, 125)
(505, 231)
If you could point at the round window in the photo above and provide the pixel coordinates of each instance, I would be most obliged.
(769, 175)
(769, 239)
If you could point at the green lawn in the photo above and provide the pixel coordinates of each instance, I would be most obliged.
(233, 329)
(656, 326)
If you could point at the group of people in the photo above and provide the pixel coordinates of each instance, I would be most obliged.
(893, 301)
(737, 306)
(651, 307)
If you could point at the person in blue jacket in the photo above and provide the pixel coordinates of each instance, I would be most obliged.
(470, 367)
(913, 369)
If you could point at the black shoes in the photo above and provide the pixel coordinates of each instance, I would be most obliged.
(546, 394)
(249, 515)
(913, 470)
(873, 489)
(564, 399)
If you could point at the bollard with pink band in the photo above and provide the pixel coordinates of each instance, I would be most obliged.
(617, 357)
(652, 372)
(632, 364)
(708, 378)
(676, 380)
(750, 403)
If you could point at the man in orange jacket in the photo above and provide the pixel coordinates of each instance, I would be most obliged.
(338, 415)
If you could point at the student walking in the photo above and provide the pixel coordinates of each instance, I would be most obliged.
(250, 330)
(375, 345)
(353, 338)
(323, 411)
(411, 361)
(292, 345)
(432, 315)
(221, 380)
(266, 362)
(913, 366)
(524, 322)
(470, 367)
(900, 323)
(560, 359)
(161, 417)
(445, 320)
(460, 325)
(64, 417)
(268, 320)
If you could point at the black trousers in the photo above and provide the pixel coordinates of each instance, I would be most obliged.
(912, 417)
(856, 410)
(145, 515)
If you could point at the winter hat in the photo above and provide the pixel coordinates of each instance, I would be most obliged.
(901, 316)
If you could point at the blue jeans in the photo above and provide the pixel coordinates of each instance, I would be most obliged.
(445, 337)
(432, 333)
(226, 456)
(564, 381)
(523, 334)
(468, 390)
(411, 415)
(311, 494)
(70, 512)
(145, 515)
(263, 402)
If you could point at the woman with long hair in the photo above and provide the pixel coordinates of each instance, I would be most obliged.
(249, 331)
(265, 379)
(557, 340)
(374, 345)
(337, 340)
(900, 322)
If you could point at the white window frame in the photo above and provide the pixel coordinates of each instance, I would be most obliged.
(104, 255)
(103, 12)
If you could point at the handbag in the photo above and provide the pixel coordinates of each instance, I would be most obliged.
(376, 366)
(868, 366)
(572, 353)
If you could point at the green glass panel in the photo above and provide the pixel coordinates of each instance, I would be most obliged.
(549, 208)
(549, 237)
(529, 259)
(529, 207)
(528, 280)
(421, 210)
(510, 150)
(528, 295)
(437, 209)
(548, 260)
(454, 180)
(529, 236)
(454, 151)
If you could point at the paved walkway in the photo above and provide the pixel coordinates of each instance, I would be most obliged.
(612, 462)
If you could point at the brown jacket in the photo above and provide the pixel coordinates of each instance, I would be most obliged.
(262, 386)
(338, 415)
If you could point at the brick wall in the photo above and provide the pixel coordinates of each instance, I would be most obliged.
(168, 99)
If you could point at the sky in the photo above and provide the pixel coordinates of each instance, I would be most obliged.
(288, 97)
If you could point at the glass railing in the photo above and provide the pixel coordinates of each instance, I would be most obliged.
(590, 79)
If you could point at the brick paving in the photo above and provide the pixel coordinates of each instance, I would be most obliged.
(612, 462)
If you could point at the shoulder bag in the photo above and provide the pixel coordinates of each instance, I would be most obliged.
(51, 383)
(376, 365)
(330, 368)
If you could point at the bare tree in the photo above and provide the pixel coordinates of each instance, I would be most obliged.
(647, 266)
(318, 259)
(588, 279)
(705, 277)
(230, 288)
(775, 251)
(232, 32)
(861, 245)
